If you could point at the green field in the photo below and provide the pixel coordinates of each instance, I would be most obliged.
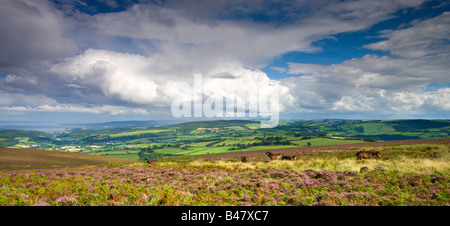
(138, 132)
(412, 174)
(209, 137)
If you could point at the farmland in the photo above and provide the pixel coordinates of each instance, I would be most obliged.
(142, 142)
(407, 174)
(199, 164)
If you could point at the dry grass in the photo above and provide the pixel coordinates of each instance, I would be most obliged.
(402, 165)
(409, 159)
(28, 158)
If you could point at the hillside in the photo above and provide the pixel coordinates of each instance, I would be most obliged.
(408, 173)
(29, 158)
(10, 137)
(137, 140)
(312, 150)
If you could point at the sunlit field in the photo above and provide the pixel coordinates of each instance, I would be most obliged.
(404, 175)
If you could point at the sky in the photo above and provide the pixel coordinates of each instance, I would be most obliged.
(82, 61)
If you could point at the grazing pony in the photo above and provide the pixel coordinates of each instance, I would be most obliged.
(274, 156)
(367, 154)
(289, 157)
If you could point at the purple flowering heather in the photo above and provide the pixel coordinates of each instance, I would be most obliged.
(273, 186)
(183, 184)
(309, 182)
(41, 202)
(379, 168)
(66, 199)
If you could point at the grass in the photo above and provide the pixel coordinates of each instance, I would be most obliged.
(235, 133)
(138, 132)
(200, 148)
(410, 159)
(405, 175)
(325, 141)
(399, 164)
(377, 128)
(28, 158)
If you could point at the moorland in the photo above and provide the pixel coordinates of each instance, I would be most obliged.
(205, 168)
(143, 142)
(407, 174)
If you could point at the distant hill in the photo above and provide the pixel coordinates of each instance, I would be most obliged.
(8, 136)
(416, 124)
(212, 124)
(29, 158)
(135, 139)
(12, 133)
(115, 124)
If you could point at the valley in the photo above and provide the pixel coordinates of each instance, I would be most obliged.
(141, 141)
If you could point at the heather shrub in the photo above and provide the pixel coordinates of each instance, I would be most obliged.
(326, 178)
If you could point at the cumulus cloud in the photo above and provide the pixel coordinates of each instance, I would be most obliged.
(115, 74)
(140, 80)
(423, 38)
(105, 109)
(227, 42)
(370, 75)
(383, 85)
(232, 33)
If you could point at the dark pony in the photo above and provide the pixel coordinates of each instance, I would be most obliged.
(367, 154)
(274, 156)
(289, 157)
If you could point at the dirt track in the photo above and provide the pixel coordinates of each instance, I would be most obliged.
(300, 150)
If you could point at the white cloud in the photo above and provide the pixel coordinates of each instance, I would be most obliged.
(372, 84)
(423, 38)
(115, 74)
(383, 84)
(29, 80)
(176, 30)
(141, 80)
(226, 45)
(12, 98)
(39, 103)
(106, 109)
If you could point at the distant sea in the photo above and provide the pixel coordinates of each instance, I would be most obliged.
(54, 127)
(48, 128)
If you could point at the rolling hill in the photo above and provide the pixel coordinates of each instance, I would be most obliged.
(30, 158)
(140, 141)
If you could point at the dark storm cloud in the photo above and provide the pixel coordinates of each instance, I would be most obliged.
(31, 31)
(119, 57)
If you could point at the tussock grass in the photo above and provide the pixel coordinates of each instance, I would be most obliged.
(404, 176)
(401, 165)
(409, 159)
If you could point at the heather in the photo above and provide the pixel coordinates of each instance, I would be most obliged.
(224, 182)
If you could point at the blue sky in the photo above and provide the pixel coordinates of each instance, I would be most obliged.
(94, 61)
(348, 45)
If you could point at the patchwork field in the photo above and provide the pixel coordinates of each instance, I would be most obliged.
(138, 141)
(407, 174)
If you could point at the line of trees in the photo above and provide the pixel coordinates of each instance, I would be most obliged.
(149, 153)
(263, 141)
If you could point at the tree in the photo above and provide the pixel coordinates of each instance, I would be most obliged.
(146, 153)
